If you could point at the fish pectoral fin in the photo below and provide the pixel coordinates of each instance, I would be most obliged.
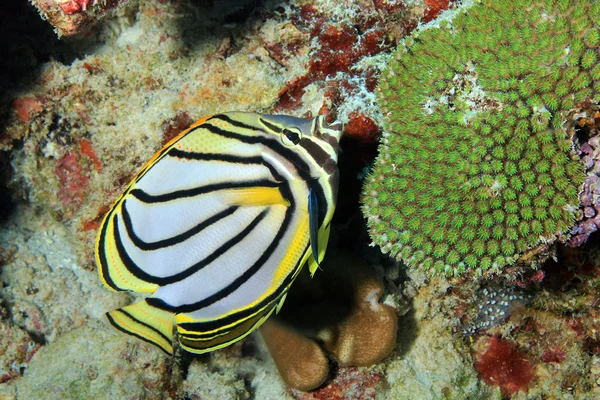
(254, 196)
(146, 322)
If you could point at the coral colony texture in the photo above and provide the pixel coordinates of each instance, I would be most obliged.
(476, 167)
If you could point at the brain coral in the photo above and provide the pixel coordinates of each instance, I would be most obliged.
(476, 167)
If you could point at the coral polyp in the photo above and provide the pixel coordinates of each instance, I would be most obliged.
(475, 166)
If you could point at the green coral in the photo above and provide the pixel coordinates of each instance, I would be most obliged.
(476, 167)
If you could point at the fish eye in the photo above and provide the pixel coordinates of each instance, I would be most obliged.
(291, 137)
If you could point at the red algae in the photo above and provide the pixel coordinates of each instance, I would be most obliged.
(94, 224)
(73, 181)
(70, 7)
(337, 53)
(362, 128)
(71, 17)
(341, 46)
(500, 363)
(389, 6)
(24, 106)
(86, 148)
(555, 355)
(174, 126)
(349, 383)
(434, 7)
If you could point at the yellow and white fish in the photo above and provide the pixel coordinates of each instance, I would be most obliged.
(218, 224)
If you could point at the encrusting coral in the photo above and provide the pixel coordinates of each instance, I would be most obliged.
(339, 309)
(476, 167)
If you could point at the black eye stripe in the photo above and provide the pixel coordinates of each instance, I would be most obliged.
(292, 136)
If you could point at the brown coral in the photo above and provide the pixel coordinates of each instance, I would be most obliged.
(368, 321)
(340, 308)
(308, 368)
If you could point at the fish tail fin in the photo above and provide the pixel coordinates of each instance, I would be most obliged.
(145, 322)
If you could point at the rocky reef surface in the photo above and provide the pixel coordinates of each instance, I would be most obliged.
(80, 115)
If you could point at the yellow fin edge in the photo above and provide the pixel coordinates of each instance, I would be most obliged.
(145, 322)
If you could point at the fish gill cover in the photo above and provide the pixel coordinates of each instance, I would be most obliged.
(475, 166)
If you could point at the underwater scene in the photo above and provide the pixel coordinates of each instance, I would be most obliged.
(299, 199)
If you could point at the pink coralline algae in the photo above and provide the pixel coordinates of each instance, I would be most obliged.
(70, 7)
(73, 181)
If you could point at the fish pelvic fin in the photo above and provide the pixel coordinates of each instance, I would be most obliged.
(323, 239)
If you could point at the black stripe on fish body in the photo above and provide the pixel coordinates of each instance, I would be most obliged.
(237, 282)
(271, 126)
(236, 123)
(227, 337)
(163, 281)
(301, 167)
(180, 238)
(217, 330)
(271, 143)
(102, 255)
(197, 191)
(215, 324)
(320, 156)
(175, 152)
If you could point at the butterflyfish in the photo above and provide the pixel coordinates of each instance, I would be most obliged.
(216, 226)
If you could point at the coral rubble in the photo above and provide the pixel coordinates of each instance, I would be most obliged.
(111, 373)
(72, 17)
(475, 167)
